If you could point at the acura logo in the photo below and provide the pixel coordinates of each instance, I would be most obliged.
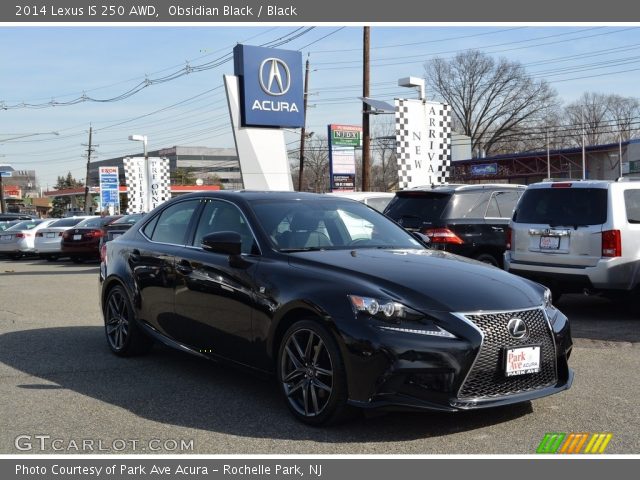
(517, 328)
(275, 78)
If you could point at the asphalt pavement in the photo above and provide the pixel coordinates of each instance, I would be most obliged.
(62, 391)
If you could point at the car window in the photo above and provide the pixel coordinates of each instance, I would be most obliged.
(66, 222)
(562, 206)
(25, 225)
(502, 204)
(172, 223)
(129, 219)
(379, 203)
(412, 209)
(469, 205)
(220, 216)
(632, 205)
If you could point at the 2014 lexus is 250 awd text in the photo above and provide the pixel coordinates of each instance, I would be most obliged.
(344, 307)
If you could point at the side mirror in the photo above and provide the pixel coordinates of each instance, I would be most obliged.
(228, 243)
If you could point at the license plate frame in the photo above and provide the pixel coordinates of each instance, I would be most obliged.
(522, 360)
(549, 242)
(77, 237)
(50, 235)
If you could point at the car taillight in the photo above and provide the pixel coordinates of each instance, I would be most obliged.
(20, 235)
(39, 234)
(94, 233)
(66, 235)
(611, 243)
(561, 185)
(60, 234)
(442, 235)
(103, 253)
(509, 237)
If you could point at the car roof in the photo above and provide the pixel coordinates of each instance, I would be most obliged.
(459, 187)
(249, 195)
(361, 195)
(573, 183)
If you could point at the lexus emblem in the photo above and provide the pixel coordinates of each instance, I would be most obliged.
(517, 328)
(275, 77)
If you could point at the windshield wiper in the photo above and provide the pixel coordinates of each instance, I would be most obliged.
(302, 249)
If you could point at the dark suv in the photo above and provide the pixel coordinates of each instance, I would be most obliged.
(469, 220)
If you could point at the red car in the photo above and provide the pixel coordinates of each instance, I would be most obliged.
(82, 242)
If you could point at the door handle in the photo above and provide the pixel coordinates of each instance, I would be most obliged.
(184, 267)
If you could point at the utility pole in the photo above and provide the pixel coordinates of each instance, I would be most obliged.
(303, 132)
(366, 135)
(90, 150)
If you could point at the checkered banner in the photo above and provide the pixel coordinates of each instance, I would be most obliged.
(147, 190)
(423, 142)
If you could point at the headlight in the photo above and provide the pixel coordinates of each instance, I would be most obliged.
(547, 304)
(395, 312)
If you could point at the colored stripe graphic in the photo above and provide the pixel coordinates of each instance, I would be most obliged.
(551, 442)
(573, 443)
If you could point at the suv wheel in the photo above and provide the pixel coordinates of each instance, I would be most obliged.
(487, 258)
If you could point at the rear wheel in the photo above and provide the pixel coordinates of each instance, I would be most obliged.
(52, 258)
(124, 336)
(311, 374)
(488, 259)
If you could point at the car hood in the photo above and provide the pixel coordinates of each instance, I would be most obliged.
(425, 279)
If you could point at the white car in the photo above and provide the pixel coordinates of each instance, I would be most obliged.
(377, 200)
(19, 240)
(48, 240)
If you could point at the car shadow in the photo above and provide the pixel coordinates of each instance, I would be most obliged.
(596, 320)
(175, 388)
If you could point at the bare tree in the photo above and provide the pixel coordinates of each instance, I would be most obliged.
(316, 165)
(384, 170)
(493, 101)
(603, 118)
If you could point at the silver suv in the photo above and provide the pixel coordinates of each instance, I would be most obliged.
(575, 236)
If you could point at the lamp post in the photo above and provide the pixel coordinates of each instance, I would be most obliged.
(414, 82)
(147, 172)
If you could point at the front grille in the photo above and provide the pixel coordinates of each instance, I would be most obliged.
(487, 378)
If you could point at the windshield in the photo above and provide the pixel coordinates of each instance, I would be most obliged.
(129, 219)
(94, 222)
(414, 209)
(562, 206)
(328, 224)
(67, 222)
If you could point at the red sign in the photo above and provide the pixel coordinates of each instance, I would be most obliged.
(12, 191)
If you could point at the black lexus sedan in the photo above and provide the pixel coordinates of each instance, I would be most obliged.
(344, 307)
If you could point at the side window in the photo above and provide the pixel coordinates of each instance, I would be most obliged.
(469, 205)
(632, 204)
(219, 216)
(502, 204)
(172, 223)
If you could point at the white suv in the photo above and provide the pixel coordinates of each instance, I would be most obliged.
(575, 236)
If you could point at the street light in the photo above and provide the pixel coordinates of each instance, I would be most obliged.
(143, 139)
(414, 82)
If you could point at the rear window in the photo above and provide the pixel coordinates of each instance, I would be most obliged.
(413, 209)
(66, 222)
(562, 206)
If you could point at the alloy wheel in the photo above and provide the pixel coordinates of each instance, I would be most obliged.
(117, 319)
(306, 372)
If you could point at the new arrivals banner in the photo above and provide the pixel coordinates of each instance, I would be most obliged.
(423, 142)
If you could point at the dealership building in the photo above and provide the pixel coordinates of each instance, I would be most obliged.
(211, 165)
(601, 162)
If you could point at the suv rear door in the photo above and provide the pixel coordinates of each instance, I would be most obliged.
(560, 224)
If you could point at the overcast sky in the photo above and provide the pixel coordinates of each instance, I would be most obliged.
(40, 65)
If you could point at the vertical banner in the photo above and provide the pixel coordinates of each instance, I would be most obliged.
(423, 142)
(146, 189)
(109, 189)
(343, 141)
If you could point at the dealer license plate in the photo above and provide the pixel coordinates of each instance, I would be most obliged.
(549, 243)
(77, 237)
(522, 361)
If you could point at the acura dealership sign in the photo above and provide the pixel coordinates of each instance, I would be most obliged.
(271, 86)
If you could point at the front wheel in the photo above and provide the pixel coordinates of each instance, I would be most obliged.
(124, 336)
(311, 374)
(488, 259)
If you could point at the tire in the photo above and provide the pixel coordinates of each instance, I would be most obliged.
(488, 259)
(311, 374)
(15, 256)
(77, 260)
(124, 336)
(51, 258)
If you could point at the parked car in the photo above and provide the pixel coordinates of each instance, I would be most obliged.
(115, 229)
(468, 220)
(82, 242)
(377, 200)
(18, 240)
(578, 235)
(7, 217)
(48, 240)
(275, 281)
(7, 224)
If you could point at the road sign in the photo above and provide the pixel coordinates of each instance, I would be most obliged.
(5, 173)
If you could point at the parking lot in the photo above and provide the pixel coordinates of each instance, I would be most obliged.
(58, 381)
